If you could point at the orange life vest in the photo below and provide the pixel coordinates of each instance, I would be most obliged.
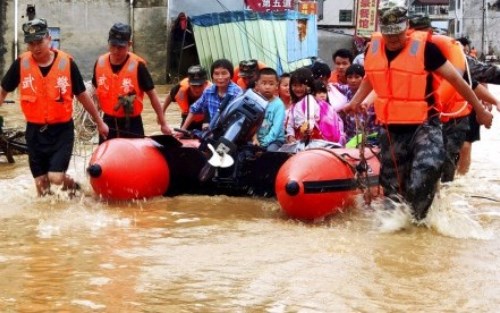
(49, 99)
(111, 86)
(182, 99)
(400, 87)
(453, 105)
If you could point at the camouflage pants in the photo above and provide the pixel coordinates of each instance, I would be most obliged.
(454, 134)
(411, 163)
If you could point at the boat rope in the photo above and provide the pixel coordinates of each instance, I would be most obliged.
(362, 167)
(307, 135)
(338, 156)
(485, 198)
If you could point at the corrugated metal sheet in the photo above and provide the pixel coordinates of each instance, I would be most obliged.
(270, 37)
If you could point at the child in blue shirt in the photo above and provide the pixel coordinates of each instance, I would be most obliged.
(271, 134)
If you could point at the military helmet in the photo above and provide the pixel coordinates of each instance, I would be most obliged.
(197, 75)
(34, 30)
(393, 17)
(420, 21)
(248, 68)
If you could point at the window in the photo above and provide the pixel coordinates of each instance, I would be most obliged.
(420, 9)
(452, 5)
(345, 16)
(55, 34)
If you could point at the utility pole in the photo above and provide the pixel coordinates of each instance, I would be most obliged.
(484, 40)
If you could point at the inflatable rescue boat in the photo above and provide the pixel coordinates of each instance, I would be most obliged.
(321, 181)
(311, 179)
(219, 161)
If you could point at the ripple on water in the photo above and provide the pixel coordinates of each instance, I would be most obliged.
(88, 304)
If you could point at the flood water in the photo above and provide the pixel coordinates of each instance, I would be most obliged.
(223, 254)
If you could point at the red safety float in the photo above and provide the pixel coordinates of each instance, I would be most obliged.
(125, 169)
(317, 182)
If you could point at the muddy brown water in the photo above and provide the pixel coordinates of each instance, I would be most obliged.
(224, 254)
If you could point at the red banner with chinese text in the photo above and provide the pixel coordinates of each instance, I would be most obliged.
(269, 5)
(366, 17)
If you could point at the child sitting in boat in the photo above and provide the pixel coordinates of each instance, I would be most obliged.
(330, 124)
(304, 112)
(308, 119)
(271, 133)
(336, 95)
(284, 91)
(355, 74)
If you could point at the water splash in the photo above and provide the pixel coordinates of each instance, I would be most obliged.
(452, 215)
(391, 216)
(67, 217)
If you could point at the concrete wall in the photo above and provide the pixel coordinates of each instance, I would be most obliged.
(329, 42)
(84, 27)
(331, 12)
(150, 36)
(473, 27)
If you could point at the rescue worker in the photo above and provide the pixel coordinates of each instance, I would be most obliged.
(121, 78)
(411, 140)
(246, 73)
(48, 79)
(454, 109)
(483, 73)
(187, 92)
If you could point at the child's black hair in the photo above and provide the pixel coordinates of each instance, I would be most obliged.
(267, 71)
(318, 86)
(355, 69)
(302, 75)
(343, 53)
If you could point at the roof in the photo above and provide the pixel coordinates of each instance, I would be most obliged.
(433, 2)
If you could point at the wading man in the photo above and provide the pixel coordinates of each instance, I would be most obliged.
(399, 69)
(48, 79)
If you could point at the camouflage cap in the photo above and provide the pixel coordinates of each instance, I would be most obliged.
(35, 30)
(248, 68)
(420, 21)
(393, 17)
(197, 75)
(119, 34)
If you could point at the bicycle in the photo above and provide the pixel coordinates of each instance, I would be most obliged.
(12, 140)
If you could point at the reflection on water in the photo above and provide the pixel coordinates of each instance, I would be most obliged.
(223, 254)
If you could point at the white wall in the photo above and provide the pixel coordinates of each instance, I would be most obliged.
(331, 12)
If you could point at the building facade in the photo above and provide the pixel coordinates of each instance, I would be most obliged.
(81, 29)
(479, 24)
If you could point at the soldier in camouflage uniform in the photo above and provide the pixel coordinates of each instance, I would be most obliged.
(412, 148)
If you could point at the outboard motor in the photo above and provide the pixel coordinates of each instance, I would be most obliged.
(235, 125)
